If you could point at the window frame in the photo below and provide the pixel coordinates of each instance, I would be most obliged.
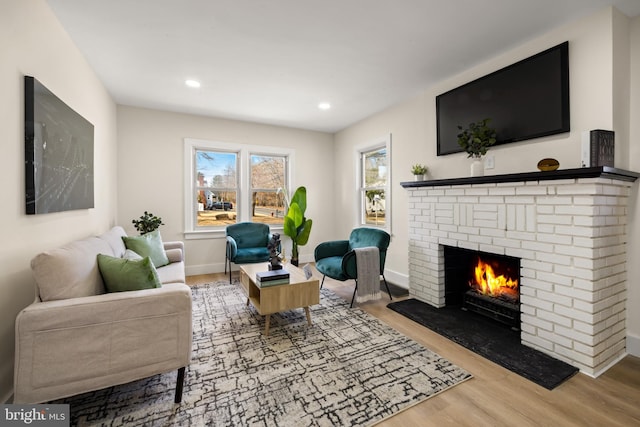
(243, 211)
(361, 150)
(251, 189)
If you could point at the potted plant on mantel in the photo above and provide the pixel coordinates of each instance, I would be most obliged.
(419, 171)
(476, 140)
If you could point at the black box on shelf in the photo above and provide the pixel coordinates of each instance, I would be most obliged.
(598, 148)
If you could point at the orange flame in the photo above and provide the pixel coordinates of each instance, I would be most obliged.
(488, 283)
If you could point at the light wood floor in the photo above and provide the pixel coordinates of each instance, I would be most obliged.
(498, 397)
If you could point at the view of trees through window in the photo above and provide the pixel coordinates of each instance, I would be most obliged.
(217, 188)
(267, 188)
(374, 181)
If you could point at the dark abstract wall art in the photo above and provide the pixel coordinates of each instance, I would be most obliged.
(58, 153)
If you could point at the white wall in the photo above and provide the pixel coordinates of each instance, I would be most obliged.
(151, 177)
(32, 42)
(633, 240)
(597, 101)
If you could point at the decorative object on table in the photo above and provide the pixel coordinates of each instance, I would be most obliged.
(147, 223)
(475, 140)
(546, 165)
(419, 171)
(296, 225)
(58, 148)
(598, 148)
(307, 271)
(275, 257)
(272, 278)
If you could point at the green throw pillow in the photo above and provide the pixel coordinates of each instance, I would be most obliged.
(120, 274)
(150, 245)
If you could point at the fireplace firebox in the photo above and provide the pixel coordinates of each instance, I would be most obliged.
(485, 283)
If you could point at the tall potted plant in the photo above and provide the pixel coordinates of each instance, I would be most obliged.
(475, 140)
(296, 225)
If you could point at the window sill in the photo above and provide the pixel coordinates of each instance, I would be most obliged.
(205, 234)
(220, 233)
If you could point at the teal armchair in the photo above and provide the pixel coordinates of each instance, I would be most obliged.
(246, 244)
(337, 259)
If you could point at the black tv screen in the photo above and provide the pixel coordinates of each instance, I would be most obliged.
(528, 99)
(58, 153)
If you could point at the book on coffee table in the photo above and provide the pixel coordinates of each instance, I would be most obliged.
(272, 277)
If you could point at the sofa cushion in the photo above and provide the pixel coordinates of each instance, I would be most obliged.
(121, 274)
(171, 273)
(129, 254)
(149, 244)
(70, 271)
(114, 238)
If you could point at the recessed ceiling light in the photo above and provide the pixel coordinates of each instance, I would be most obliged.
(192, 83)
(324, 106)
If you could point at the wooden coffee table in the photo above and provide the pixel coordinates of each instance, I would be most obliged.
(299, 293)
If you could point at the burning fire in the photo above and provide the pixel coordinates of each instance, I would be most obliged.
(488, 283)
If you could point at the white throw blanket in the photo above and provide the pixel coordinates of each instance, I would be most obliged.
(368, 267)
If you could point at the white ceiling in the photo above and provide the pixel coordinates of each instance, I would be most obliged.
(273, 61)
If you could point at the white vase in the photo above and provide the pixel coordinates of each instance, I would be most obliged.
(477, 167)
(418, 177)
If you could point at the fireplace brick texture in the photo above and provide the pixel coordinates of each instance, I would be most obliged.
(571, 237)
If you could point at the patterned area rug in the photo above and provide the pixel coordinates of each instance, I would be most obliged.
(348, 369)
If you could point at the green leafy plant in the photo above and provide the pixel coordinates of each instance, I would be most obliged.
(296, 225)
(147, 223)
(477, 138)
(418, 169)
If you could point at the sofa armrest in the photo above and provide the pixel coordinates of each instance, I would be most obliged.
(174, 251)
(67, 347)
(332, 248)
(174, 255)
(173, 245)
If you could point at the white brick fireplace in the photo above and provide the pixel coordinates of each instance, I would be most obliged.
(568, 228)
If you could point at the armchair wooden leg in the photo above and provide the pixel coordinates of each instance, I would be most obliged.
(387, 286)
(180, 384)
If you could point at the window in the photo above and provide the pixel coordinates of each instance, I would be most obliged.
(216, 187)
(227, 183)
(374, 180)
(267, 183)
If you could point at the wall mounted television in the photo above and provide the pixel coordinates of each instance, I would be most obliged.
(526, 100)
(58, 153)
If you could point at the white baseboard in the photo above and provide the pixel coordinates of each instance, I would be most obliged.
(398, 279)
(194, 270)
(218, 267)
(633, 345)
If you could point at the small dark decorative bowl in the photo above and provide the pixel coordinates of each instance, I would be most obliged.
(547, 165)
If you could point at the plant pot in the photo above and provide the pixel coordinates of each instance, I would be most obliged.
(477, 167)
(418, 177)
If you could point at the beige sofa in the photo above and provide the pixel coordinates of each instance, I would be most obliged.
(76, 338)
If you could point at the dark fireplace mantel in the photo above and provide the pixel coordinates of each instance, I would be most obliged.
(592, 172)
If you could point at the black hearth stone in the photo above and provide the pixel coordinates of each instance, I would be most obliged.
(490, 339)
